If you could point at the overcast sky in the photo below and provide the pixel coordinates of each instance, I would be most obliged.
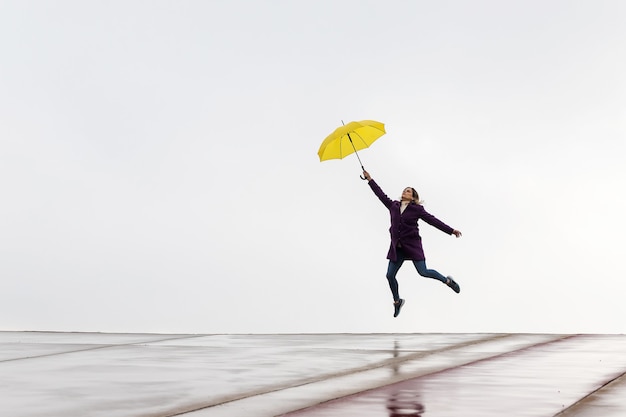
(159, 168)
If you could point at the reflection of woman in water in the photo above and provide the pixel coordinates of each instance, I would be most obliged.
(404, 403)
(406, 243)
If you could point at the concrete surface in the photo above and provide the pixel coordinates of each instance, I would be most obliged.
(319, 375)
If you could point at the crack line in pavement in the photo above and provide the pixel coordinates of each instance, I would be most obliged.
(97, 347)
(578, 403)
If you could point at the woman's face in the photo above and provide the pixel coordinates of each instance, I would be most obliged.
(407, 194)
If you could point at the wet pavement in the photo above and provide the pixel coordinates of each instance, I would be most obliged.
(320, 375)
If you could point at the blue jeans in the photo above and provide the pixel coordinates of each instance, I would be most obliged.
(394, 267)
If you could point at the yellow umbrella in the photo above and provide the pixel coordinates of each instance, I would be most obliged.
(349, 139)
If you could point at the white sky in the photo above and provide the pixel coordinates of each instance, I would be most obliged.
(159, 169)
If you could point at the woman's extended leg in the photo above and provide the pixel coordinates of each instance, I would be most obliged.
(429, 273)
(392, 270)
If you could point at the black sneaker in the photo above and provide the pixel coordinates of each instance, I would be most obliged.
(397, 305)
(452, 284)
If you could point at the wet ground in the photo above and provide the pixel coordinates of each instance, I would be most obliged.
(366, 375)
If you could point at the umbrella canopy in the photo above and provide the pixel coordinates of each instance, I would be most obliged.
(350, 138)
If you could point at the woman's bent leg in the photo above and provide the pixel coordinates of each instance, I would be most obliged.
(429, 273)
(392, 270)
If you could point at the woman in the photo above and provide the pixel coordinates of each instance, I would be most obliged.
(406, 243)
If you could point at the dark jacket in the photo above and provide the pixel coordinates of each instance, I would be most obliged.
(404, 229)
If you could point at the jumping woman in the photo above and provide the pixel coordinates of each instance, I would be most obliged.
(406, 243)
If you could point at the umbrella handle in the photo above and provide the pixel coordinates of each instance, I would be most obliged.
(362, 169)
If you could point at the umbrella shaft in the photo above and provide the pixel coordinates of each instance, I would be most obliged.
(357, 154)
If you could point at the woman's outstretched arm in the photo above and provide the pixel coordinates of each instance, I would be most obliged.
(376, 189)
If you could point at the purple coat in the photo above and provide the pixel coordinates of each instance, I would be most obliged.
(404, 228)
